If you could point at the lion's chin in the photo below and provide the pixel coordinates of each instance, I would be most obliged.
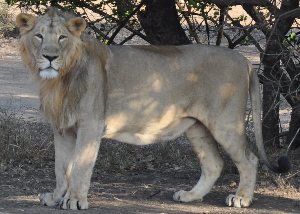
(48, 73)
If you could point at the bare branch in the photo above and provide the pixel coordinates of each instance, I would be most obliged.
(226, 3)
(187, 18)
(127, 39)
(221, 24)
(136, 32)
(247, 32)
(295, 13)
(123, 22)
(101, 33)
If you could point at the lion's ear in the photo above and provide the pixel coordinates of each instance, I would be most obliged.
(76, 26)
(25, 22)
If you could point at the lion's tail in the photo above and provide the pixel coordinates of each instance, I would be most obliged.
(284, 164)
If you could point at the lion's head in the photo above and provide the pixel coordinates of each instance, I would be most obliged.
(50, 45)
(52, 48)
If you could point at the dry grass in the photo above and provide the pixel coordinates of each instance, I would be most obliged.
(22, 142)
(176, 154)
(20, 139)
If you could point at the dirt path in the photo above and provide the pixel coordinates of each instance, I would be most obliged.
(148, 192)
(137, 192)
(17, 90)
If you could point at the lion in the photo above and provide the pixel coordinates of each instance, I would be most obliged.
(141, 95)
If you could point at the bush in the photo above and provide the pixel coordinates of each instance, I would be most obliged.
(6, 23)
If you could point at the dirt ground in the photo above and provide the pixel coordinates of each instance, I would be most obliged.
(144, 192)
(124, 191)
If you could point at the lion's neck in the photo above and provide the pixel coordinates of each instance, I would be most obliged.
(60, 99)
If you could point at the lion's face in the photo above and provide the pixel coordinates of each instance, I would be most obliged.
(50, 44)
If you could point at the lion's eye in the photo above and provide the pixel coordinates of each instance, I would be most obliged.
(39, 36)
(61, 37)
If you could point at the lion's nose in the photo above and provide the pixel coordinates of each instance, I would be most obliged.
(50, 58)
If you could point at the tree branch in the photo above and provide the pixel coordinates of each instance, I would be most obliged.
(123, 22)
(221, 24)
(138, 33)
(226, 3)
(186, 15)
(295, 13)
(247, 32)
(101, 33)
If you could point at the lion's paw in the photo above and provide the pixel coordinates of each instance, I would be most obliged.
(47, 199)
(186, 196)
(73, 204)
(237, 201)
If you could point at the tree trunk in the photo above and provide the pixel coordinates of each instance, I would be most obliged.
(273, 73)
(270, 105)
(271, 98)
(290, 85)
(161, 24)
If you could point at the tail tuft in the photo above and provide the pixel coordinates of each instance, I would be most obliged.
(284, 164)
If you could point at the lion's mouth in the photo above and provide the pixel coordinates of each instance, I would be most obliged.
(48, 73)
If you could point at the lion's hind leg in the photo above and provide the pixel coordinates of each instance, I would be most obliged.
(235, 144)
(211, 162)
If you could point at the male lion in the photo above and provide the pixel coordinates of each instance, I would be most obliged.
(139, 95)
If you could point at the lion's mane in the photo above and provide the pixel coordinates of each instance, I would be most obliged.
(60, 96)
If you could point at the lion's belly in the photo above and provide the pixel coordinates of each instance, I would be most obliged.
(152, 133)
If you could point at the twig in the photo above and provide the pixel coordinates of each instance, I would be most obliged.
(247, 32)
(138, 33)
(206, 24)
(101, 33)
(292, 140)
(221, 25)
(154, 194)
(290, 176)
(282, 16)
(127, 39)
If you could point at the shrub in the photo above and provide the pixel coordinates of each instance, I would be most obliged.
(6, 23)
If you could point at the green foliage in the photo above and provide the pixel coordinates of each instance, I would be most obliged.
(240, 18)
(292, 40)
(246, 41)
(195, 3)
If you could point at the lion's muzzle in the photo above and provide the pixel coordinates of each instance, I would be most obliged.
(48, 70)
(48, 73)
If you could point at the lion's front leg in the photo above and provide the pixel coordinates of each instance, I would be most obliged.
(64, 144)
(86, 150)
